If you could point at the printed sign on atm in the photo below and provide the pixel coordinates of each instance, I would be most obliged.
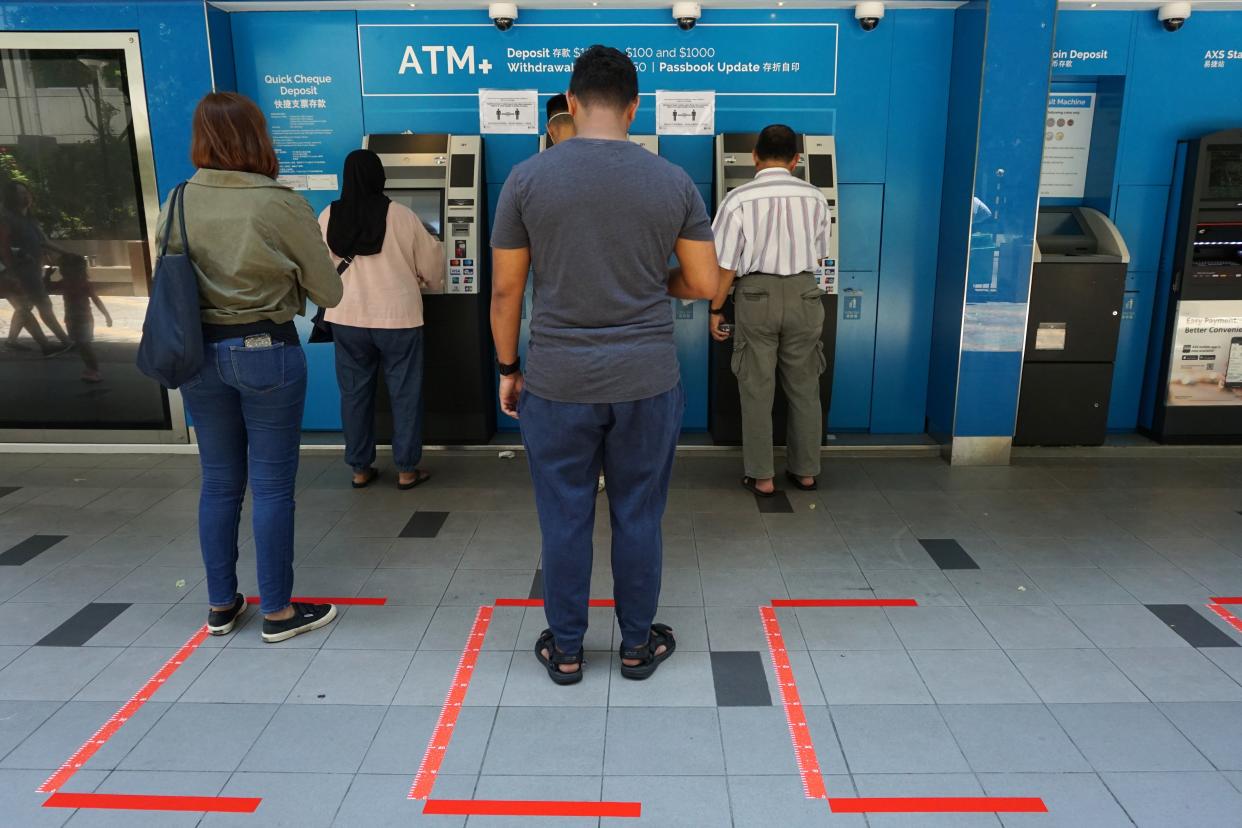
(1233, 373)
(459, 248)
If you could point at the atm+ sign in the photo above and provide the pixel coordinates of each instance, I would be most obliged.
(438, 59)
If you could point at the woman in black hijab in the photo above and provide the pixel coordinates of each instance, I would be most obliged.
(388, 259)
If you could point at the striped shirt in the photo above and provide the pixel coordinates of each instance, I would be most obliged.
(775, 224)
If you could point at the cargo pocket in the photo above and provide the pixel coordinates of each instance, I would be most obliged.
(739, 356)
(821, 358)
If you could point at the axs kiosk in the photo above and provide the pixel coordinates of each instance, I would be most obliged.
(817, 163)
(440, 178)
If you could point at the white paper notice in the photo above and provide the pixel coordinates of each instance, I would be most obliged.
(1067, 145)
(1050, 336)
(685, 113)
(509, 112)
(322, 182)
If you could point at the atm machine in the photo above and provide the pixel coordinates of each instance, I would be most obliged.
(440, 178)
(817, 164)
(1198, 395)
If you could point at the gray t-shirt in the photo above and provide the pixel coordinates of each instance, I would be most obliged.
(601, 219)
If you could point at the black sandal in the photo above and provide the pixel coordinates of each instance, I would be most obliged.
(372, 476)
(556, 658)
(661, 635)
(797, 482)
(750, 484)
(420, 477)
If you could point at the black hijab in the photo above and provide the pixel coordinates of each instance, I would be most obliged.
(357, 221)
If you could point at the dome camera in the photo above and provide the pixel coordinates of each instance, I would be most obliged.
(869, 15)
(686, 15)
(503, 15)
(1173, 15)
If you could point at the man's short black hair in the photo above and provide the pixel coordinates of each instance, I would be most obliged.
(604, 76)
(777, 142)
(557, 105)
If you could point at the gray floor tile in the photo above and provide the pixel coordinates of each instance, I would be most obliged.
(760, 801)
(53, 673)
(1175, 674)
(847, 628)
(155, 585)
(1031, 628)
(640, 738)
(129, 625)
(673, 801)
(424, 553)
(352, 677)
(1075, 676)
(1228, 659)
(76, 583)
(1162, 800)
(474, 587)
(830, 553)
(395, 627)
(344, 733)
(1123, 626)
(1012, 738)
(681, 587)
(972, 677)
(1075, 585)
(380, 801)
(741, 628)
(175, 627)
(1073, 800)
(528, 685)
(931, 588)
(1163, 585)
(364, 553)
(297, 800)
(450, 628)
(601, 628)
(72, 725)
(234, 676)
(575, 788)
(919, 785)
(869, 677)
(748, 587)
(221, 735)
(513, 751)
(179, 783)
(685, 680)
(939, 628)
(402, 739)
(136, 665)
(23, 808)
(723, 553)
(1215, 728)
(896, 739)
(18, 719)
(757, 741)
(985, 587)
(502, 553)
(1128, 737)
(431, 673)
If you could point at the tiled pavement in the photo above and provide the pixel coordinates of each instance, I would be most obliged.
(1061, 647)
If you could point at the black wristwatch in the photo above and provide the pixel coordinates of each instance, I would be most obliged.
(717, 311)
(509, 369)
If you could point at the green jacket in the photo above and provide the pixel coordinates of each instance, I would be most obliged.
(256, 246)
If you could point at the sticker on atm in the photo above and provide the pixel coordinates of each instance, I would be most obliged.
(454, 262)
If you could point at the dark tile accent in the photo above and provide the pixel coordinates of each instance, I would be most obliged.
(740, 679)
(424, 525)
(536, 585)
(1184, 620)
(83, 626)
(29, 549)
(5, 491)
(777, 504)
(948, 553)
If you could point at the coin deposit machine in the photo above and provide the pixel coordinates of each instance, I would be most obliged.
(440, 178)
(735, 166)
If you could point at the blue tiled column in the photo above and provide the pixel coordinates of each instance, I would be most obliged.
(1012, 106)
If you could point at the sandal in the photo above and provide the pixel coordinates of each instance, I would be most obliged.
(420, 477)
(797, 482)
(372, 476)
(556, 658)
(661, 636)
(751, 485)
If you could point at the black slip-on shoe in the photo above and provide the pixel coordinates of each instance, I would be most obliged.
(306, 617)
(223, 622)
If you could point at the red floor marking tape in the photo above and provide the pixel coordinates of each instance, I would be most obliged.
(134, 802)
(1232, 619)
(1228, 600)
(844, 602)
(75, 762)
(804, 748)
(425, 779)
(344, 602)
(538, 602)
(937, 805)
(517, 807)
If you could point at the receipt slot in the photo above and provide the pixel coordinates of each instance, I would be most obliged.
(734, 167)
(440, 178)
(1073, 323)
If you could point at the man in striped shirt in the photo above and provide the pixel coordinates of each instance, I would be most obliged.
(771, 235)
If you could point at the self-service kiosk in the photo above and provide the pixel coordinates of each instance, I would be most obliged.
(440, 178)
(1073, 323)
(735, 166)
(1198, 397)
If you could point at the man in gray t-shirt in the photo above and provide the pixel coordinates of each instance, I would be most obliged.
(598, 218)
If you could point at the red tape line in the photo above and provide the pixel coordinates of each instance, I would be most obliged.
(134, 802)
(1236, 599)
(799, 730)
(1229, 617)
(344, 602)
(844, 602)
(425, 779)
(937, 805)
(518, 807)
(93, 745)
(538, 602)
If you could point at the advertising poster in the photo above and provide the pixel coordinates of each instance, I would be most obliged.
(1205, 366)
(1067, 145)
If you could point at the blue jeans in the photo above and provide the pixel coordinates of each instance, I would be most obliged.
(360, 353)
(247, 408)
(634, 443)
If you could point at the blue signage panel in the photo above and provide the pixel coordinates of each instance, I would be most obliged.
(1092, 43)
(434, 59)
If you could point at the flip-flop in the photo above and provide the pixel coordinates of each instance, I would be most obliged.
(797, 482)
(420, 477)
(750, 484)
(372, 476)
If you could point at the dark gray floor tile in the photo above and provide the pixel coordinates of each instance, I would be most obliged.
(896, 739)
(1175, 674)
(29, 549)
(1128, 737)
(739, 679)
(1072, 676)
(83, 625)
(947, 553)
(1012, 738)
(1188, 623)
(512, 750)
(1160, 800)
(639, 739)
(1073, 800)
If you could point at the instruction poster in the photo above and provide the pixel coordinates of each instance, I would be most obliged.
(1067, 145)
(508, 112)
(685, 113)
(1205, 367)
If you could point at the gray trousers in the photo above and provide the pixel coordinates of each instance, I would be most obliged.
(779, 322)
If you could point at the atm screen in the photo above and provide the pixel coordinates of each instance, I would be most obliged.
(1218, 244)
(1224, 174)
(428, 205)
(1058, 224)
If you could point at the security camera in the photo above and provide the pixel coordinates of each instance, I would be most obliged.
(1173, 15)
(503, 15)
(686, 15)
(869, 15)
